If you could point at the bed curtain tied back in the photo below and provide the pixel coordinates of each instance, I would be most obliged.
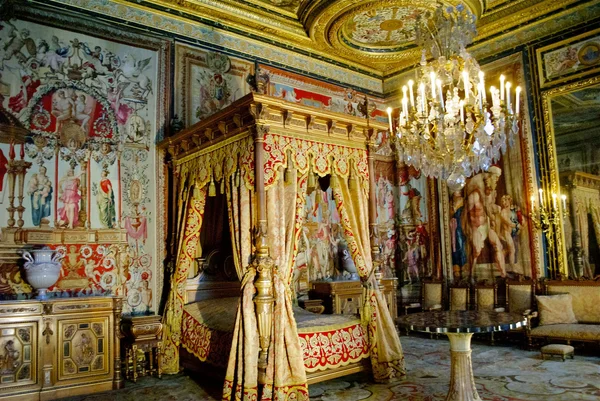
(266, 360)
(196, 178)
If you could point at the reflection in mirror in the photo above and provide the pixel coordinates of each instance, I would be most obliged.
(576, 127)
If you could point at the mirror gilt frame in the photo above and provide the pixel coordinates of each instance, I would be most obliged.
(550, 177)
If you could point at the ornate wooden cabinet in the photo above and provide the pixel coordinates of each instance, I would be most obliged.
(59, 348)
(345, 297)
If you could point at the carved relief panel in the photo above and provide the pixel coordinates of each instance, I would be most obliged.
(83, 347)
(18, 354)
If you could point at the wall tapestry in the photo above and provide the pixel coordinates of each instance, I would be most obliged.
(89, 163)
(487, 226)
(207, 82)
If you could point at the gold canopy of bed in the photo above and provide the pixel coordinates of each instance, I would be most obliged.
(259, 152)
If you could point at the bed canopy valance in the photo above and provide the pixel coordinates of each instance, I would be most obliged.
(263, 153)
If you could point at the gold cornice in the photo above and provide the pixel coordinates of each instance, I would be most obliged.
(239, 17)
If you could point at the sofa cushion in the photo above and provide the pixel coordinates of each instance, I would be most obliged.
(555, 309)
(583, 332)
(586, 300)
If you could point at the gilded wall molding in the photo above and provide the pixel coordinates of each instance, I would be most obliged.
(550, 174)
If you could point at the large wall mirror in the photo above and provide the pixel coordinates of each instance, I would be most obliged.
(573, 125)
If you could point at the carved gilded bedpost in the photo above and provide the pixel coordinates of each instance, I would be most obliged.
(262, 261)
(373, 228)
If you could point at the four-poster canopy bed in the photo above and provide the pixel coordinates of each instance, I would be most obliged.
(259, 153)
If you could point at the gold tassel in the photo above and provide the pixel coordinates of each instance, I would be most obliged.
(212, 189)
(311, 183)
(222, 189)
(196, 191)
(289, 169)
(333, 183)
(236, 178)
(352, 181)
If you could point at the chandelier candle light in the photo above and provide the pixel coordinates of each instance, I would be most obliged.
(451, 130)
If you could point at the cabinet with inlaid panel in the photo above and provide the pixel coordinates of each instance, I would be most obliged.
(59, 348)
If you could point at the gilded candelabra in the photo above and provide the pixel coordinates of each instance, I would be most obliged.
(548, 217)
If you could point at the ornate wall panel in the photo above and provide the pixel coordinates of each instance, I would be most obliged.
(86, 173)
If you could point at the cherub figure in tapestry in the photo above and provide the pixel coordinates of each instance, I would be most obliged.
(19, 45)
(105, 199)
(40, 192)
(510, 225)
(133, 71)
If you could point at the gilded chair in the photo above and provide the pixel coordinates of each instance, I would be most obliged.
(460, 297)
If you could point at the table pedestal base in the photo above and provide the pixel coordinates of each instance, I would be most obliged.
(462, 384)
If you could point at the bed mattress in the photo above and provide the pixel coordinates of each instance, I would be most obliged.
(327, 341)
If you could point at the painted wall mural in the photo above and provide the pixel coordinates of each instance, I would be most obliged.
(208, 82)
(89, 161)
(413, 220)
(574, 57)
(489, 233)
(386, 195)
(296, 88)
(321, 247)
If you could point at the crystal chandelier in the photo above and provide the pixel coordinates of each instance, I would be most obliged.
(447, 128)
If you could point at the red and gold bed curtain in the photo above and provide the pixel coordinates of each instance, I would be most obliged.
(241, 377)
(285, 376)
(191, 207)
(197, 173)
(344, 164)
(387, 358)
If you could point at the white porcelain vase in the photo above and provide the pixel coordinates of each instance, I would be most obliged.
(42, 269)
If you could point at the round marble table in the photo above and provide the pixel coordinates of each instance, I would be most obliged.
(459, 326)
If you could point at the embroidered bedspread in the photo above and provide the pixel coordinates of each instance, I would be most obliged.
(327, 341)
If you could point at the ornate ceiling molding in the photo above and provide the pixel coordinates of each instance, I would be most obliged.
(366, 37)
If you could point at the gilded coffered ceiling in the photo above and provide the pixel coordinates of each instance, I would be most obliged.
(376, 38)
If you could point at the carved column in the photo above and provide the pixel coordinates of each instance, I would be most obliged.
(16, 173)
(263, 262)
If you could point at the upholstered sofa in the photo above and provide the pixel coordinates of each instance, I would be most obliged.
(583, 324)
